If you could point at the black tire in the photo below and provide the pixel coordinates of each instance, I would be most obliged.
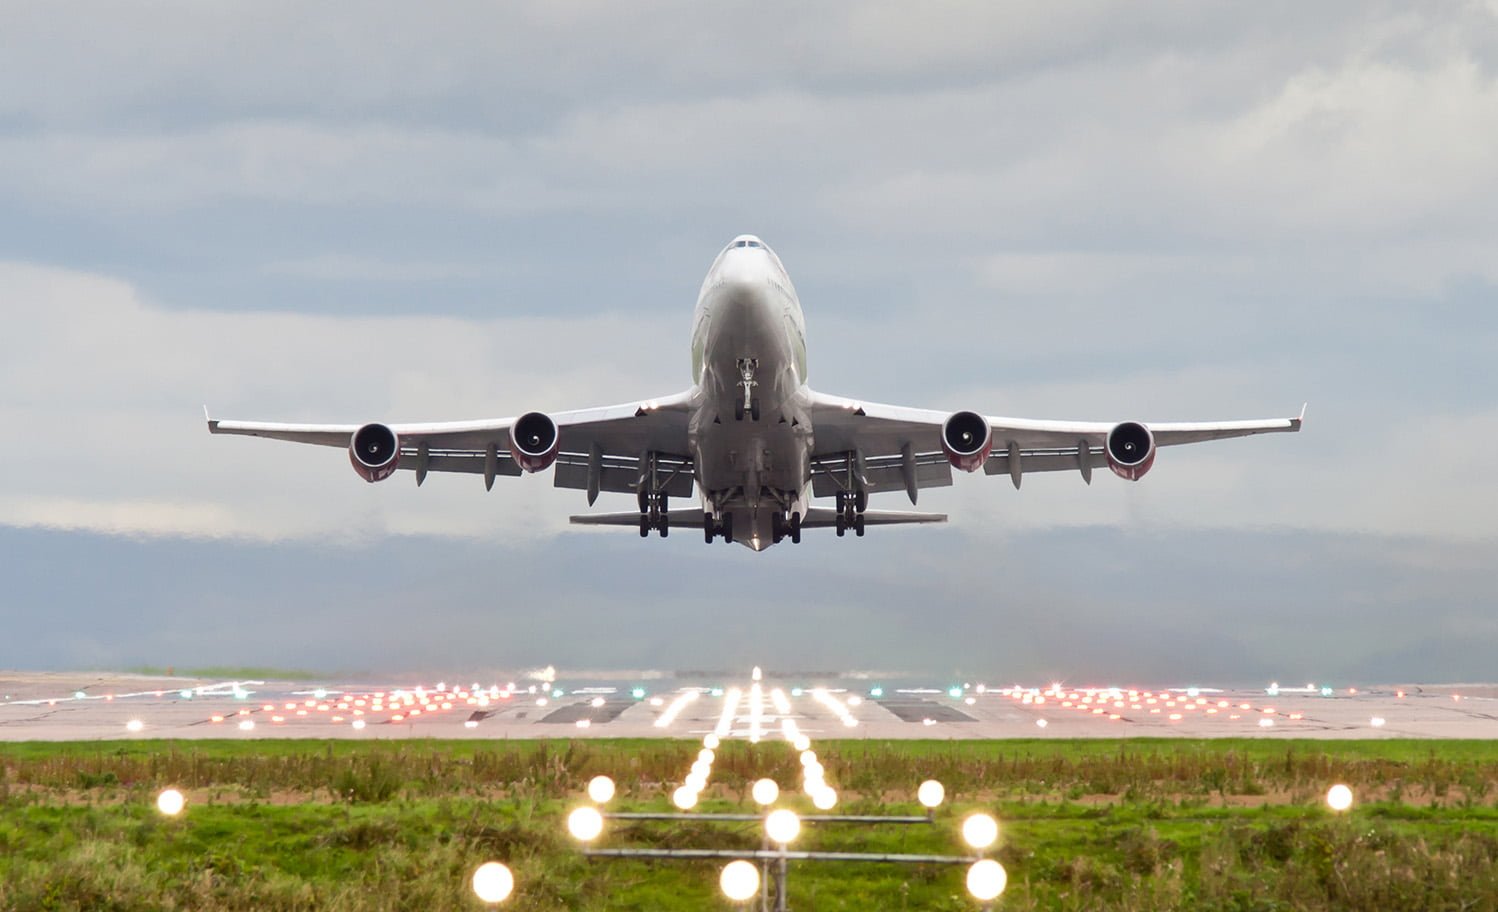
(665, 526)
(738, 411)
(842, 525)
(728, 528)
(754, 410)
(644, 527)
(861, 500)
(709, 528)
(858, 527)
(795, 528)
(777, 528)
(644, 500)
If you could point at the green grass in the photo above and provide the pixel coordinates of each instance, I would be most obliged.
(1113, 825)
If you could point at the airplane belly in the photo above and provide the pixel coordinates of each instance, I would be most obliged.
(751, 455)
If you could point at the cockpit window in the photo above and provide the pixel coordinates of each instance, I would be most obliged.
(754, 244)
(742, 244)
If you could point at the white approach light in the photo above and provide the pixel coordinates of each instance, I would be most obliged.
(493, 882)
(170, 802)
(986, 880)
(739, 880)
(783, 826)
(134, 725)
(585, 823)
(931, 793)
(358, 724)
(711, 742)
(247, 725)
(825, 799)
(765, 792)
(980, 831)
(601, 789)
(1339, 797)
(684, 798)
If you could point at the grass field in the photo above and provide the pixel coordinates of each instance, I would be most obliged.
(295, 825)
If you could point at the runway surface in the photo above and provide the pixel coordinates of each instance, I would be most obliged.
(100, 706)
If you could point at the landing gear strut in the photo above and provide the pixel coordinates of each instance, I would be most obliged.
(747, 401)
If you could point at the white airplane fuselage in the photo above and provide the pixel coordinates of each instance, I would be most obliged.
(750, 431)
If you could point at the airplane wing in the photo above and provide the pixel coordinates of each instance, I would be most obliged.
(599, 449)
(895, 448)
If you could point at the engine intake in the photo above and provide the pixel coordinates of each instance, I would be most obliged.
(967, 439)
(534, 441)
(375, 452)
(1131, 450)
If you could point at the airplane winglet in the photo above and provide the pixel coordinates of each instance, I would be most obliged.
(1302, 419)
(212, 422)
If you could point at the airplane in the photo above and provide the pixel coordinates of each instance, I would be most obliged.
(758, 444)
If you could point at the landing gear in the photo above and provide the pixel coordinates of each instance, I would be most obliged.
(712, 528)
(850, 509)
(654, 514)
(780, 527)
(746, 401)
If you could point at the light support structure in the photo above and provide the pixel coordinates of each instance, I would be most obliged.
(774, 860)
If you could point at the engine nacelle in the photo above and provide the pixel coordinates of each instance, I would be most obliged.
(967, 439)
(375, 452)
(534, 441)
(1131, 450)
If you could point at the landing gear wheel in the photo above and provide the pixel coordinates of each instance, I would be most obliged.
(709, 528)
(738, 411)
(728, 528)
(644, 527)
(754, 410)
(795, 528)
(643, 497)
(861, 500)
(777, 528)
(665, 525)
(858, 526)
(842, 525)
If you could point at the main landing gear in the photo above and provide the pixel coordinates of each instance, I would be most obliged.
(712, 528)
(746, 401)
(780, 527)
(850, 508)
(654, 512)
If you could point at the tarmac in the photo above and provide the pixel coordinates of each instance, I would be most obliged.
(85, 706)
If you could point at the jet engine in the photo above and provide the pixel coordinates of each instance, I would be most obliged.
(534, 441)
(1131, 450)
(966, 438)
(375, 452)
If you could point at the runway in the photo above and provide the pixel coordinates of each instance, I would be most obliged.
(99, 706)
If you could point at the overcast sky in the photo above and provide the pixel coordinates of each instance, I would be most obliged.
(1094, 211)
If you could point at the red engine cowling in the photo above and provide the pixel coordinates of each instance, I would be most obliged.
(534, 441)
(967, 439)
(1131, 450)
(375, 452)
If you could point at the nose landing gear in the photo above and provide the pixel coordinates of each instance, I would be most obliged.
(746, 401)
